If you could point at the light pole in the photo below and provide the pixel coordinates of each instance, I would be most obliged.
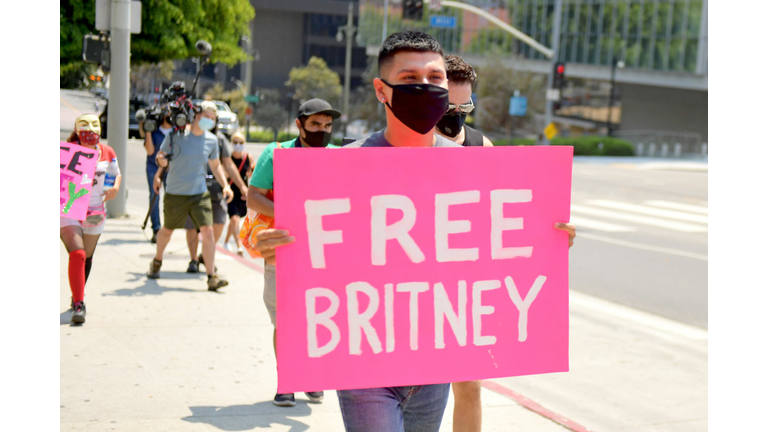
(347, 31)
(616, 63)
(243, 90)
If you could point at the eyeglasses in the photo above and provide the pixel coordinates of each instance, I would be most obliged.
(463, 108)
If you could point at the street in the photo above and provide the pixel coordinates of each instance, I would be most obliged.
(638, 282)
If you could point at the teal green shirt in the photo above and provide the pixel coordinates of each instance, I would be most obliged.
(263, 174)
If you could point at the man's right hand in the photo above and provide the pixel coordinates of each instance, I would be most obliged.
(157, 184)
(269, 239)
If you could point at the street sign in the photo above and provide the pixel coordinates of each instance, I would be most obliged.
(435, 4)
(442, 21)
(518, 105)
(550, 131)
(252, 99)
(553, 94)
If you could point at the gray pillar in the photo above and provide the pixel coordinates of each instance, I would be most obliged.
(556, 55)
(119, 84)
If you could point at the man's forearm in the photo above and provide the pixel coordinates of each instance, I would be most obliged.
(259, 203)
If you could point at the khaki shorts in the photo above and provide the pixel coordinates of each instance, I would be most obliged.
(177, 207)
(270, 299)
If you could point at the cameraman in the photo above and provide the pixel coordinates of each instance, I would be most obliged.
(152, 143)
(186, 192)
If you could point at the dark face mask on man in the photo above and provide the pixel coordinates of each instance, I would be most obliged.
(451, 124)
(316, 139)
(418, 106)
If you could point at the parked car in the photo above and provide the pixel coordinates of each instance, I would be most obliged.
(228, 123)
(133, 124)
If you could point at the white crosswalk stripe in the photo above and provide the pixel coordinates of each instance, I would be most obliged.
(679, 206)
(601, 215)
(671, 214)
(592, 224)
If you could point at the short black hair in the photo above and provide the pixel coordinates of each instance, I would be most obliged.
(407, 41)
(459, 71)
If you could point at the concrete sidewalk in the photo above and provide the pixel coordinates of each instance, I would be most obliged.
(167, 355)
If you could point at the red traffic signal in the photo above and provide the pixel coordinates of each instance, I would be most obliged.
(559, 76)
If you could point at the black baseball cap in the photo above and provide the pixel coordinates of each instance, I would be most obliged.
(317, 106)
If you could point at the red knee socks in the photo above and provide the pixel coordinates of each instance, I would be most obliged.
(77, 274)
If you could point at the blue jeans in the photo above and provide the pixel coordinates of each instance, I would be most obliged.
(154, 215)
(394, 409)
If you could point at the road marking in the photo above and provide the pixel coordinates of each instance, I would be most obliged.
(644, 220)
(533, 406)
(645, 320)
(634, 245)
(600, 226)
(671, 214)
(69, 105)
(679, 206)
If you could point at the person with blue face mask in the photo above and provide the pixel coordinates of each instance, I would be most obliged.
(187, 153)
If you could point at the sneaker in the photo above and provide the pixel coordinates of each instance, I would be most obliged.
(154, 238)
(78, 313)
(200, 259)
(314, 396)
(214, 283)
(240, 251)
(194, 267)
(154, 269)
(285, 399)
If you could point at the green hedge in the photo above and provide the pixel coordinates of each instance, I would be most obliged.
(583, 146)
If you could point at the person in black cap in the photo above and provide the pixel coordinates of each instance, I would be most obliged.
(315, 122)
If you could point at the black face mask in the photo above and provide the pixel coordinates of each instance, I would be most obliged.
(451, 124)
(316, 139)
(418, 106)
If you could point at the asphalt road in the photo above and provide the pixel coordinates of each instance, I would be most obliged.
(642, 233)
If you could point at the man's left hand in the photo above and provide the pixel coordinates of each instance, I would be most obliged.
(570, 228)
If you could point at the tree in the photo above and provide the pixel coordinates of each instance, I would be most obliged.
(315, 80)
(495, 85)
(272, 116)
(169, 31)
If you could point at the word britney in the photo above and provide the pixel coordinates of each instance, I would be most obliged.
(315, 210)
(359, 322)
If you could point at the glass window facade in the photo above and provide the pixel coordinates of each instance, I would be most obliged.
(658, 35)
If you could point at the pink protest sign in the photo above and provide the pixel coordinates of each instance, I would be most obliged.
(77, 165)
(420, 265)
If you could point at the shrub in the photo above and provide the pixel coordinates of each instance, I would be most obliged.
(592, 145)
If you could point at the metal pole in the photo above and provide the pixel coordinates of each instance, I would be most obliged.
(555, 56)
(384, 27)
(248, 67)
(614, 62)
(349, 32)
(117, 123)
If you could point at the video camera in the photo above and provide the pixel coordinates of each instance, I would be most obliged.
(175, 104)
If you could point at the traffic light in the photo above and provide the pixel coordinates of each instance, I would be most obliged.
(559, 74)
(413, 9)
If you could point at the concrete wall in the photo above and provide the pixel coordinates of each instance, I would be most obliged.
(663, 109)
(272, 32)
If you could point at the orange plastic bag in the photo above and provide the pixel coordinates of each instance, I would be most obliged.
(252, 225)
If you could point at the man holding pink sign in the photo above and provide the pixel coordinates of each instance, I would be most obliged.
(356, 281)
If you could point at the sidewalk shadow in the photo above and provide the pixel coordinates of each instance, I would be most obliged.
(65, 318)
(247, 417)
(117, 242)
(152, 288)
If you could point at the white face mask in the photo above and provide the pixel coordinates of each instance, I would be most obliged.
(238, 147)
